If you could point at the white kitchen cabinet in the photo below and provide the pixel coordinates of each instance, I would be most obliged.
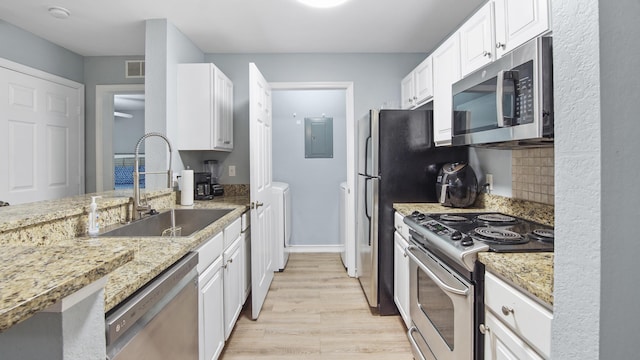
(446, 71)
(210, 298)
(205, 108)
(401, 278)
(417, 87)
(518, 21)
(211, 307)
(233, 284)
(516, 326)
(401, 271)
(477, 40)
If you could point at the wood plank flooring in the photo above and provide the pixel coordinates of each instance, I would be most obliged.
(315, 311)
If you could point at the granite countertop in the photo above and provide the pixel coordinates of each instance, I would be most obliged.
(41, 211)
(35, 277)
(530, 272)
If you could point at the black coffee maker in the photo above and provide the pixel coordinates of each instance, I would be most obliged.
(202, 186)
(213, 168)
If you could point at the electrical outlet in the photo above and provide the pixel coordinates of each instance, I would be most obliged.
(232, 170)
(489, 180)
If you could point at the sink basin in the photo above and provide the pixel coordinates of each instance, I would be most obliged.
(188, 220)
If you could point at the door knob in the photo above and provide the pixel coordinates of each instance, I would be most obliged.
(255, 205)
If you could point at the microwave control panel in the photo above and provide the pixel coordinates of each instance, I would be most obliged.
(524, 93)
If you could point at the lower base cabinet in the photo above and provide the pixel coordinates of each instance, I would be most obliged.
(211, 308)
(401, 278)
(500, 343)
(233, 284)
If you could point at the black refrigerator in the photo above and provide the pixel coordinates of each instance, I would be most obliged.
(396, 163)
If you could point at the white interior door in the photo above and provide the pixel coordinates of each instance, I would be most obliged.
(262, 236)
(41, 135)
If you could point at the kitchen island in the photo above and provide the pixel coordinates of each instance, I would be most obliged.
(49, 237)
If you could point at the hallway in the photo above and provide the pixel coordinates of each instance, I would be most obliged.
(315, 311)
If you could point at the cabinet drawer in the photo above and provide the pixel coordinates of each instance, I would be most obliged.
(209, 251)
(519, 312)
(232, 231)
(400, 226)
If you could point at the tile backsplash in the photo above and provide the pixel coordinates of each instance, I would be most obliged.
(532, 174)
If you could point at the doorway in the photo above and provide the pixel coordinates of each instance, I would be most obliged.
(115, 133)
(326, 192)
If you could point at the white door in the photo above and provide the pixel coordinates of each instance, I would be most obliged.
(262, 236)
(41, 134)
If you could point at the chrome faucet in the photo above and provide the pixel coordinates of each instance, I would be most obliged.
(138, 207)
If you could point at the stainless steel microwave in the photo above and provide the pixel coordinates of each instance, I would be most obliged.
(508, 102)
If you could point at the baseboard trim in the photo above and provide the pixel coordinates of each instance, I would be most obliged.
(315, 248)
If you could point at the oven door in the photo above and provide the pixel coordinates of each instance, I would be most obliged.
(441, 307)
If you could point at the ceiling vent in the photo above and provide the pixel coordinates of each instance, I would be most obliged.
(135, 69)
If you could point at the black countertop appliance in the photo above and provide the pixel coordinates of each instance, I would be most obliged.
(457, 185)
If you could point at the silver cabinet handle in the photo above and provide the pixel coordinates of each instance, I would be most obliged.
(486, 53)
(507, 310)
(500, 45)
(483, 329)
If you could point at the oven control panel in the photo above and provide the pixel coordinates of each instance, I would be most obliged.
(444, 231)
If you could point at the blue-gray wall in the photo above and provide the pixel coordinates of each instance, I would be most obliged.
(314, 183)
(28, 49)
(127, 132)
(376, 79)
(100, 70)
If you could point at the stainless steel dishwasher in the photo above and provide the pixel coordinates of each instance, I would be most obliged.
(160, 321)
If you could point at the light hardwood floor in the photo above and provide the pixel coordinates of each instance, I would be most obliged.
(315, 311)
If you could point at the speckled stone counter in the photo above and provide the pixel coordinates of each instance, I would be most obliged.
(33, 278)
(531, 272)
(36, 275)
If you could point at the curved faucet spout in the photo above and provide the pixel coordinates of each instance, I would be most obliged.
(139, 208)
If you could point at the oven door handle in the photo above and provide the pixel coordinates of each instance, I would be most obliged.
(462, 292)
(414, 344)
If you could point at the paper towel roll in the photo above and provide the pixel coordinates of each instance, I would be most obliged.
(186, 188)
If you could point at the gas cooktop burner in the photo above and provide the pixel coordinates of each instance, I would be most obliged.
(453, 218)
(496, 218)
(544, 235)
(499, 236)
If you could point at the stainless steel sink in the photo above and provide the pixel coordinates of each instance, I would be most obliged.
(187, 221)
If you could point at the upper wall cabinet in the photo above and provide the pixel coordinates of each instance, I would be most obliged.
(518, 21)
(417, 87)
(205, 108)
(477, 40)
(446, 71)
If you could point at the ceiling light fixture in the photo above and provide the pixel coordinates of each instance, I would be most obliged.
(59, 12)
(323, 3)
(122, 115)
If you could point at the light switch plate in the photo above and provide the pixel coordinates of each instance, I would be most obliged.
(232, 170)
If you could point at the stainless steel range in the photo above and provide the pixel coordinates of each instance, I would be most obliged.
(447, 282)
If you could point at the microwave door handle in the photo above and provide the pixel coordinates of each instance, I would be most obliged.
(500, 98)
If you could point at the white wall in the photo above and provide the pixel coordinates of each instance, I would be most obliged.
(165, 48)
(596, 286)
(314, 183)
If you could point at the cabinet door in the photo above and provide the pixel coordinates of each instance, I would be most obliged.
(195, 95)
(518, 21)
(233, 285)
(223, 112)
(246, 250)
(476, 40)
(424, 81)
(401, 278)
(446, 71)
(210, 303)
(500, 343)
(407, 91)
